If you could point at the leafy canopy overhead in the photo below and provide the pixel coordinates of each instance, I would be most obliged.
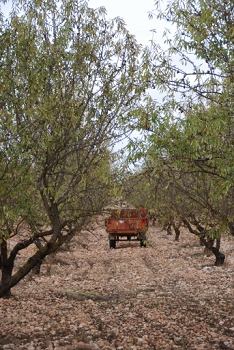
(189, 136)
(71, 82)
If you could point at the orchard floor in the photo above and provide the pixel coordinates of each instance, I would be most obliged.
(166, 296)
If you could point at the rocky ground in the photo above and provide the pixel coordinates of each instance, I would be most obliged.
(166, 296)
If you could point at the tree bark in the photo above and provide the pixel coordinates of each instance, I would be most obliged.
(9, 280)
(169, 231)
(7, 265)
(37, 268)
(177, 234)
(219, 257)
(176, 227)
(218, 243)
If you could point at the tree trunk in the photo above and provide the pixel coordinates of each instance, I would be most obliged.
(169, 231)
(219, 257)
(218, 241)
(9, 280)
(7, 265)
(177, 234)
(201, 242)
(36, 270)
(208, 244)
(6, 280)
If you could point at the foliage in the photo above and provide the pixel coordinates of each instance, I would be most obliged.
(188, 147)
(199, 60)
(69, 81)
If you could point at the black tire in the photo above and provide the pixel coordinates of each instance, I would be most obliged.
(143, 243)
(112, 243)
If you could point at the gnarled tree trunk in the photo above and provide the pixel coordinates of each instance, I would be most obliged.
(208, 243)
(7, 265)
(219, 256)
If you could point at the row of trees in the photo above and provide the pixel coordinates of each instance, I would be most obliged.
(69, 79)
(187, 148)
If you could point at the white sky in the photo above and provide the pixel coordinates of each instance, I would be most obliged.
(133, 12)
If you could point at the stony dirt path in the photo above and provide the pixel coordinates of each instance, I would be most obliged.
(166, 296)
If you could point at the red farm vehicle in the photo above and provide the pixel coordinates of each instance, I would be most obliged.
(127, 225)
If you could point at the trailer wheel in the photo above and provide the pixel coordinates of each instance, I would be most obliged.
(112, 243)
(143, 243)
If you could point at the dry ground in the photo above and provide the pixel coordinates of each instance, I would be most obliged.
(166, 296)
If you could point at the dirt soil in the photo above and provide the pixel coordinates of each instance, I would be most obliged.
(166, 296)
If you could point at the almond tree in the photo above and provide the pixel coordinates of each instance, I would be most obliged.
(190, 134)
(69, 80)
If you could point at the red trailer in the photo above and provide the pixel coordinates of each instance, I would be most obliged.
(126, 225)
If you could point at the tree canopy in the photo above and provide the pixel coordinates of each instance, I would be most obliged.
(188, 140)
(70, 81)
